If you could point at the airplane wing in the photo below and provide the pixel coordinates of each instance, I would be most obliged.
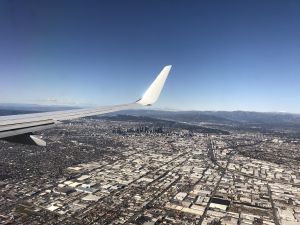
(20, 128)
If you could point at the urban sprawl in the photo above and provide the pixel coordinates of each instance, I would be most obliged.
(98, 171)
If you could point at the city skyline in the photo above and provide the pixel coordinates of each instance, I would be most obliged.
(225, 56)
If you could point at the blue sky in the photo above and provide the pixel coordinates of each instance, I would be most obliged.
(226, 55)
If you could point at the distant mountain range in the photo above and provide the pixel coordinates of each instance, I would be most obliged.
(218, 117)
(225, 117)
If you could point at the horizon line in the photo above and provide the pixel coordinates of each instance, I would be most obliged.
(150, 108)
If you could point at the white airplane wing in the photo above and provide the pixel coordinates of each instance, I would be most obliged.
(20, 128)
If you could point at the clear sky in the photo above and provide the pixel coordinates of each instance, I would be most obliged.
(226, 55)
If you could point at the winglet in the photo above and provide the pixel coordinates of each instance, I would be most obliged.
(153, 92)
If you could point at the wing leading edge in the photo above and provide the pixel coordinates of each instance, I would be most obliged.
(19, 128)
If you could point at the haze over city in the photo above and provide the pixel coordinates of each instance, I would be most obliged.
(226, 55)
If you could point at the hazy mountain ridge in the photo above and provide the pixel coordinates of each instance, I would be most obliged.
(225, 117)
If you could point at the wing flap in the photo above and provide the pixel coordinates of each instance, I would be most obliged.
(25, 130)
(16, 125)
